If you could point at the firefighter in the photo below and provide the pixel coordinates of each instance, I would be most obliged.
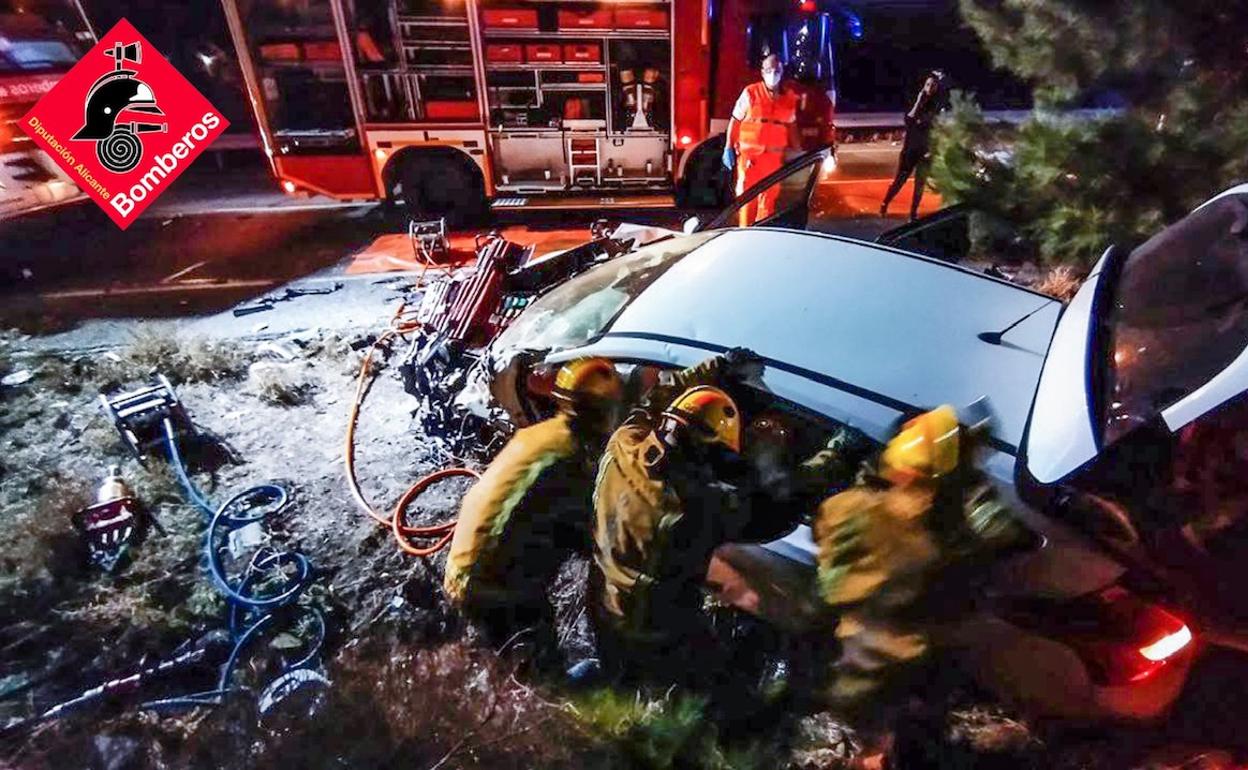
(762, 129)
(916, 148)
(660, 510)
(530, 508)
(897, 556)
(671, 488)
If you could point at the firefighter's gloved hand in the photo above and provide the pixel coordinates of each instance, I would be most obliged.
(744, 365)
(730, 157)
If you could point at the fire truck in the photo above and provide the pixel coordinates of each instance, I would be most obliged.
(451, 106)
(40, 40)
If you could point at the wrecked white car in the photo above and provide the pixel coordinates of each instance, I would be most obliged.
(1102, 409)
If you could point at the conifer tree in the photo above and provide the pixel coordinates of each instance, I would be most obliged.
(1176, 78)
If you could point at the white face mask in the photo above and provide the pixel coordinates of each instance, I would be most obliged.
(772, 79)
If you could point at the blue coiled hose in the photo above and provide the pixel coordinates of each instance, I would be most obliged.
(251, 606)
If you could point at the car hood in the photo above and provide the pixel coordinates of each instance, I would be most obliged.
(899, 330)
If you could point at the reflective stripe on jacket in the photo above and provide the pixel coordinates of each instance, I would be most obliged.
(487, 511)
(765, 127)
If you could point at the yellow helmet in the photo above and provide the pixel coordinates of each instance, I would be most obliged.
(710, 412)
(593, 378)
(925, 447)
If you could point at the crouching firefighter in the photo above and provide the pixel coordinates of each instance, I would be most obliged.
(530, 509)
(659, 512)
(899, 556)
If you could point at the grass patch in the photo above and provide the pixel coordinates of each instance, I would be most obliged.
(281, 384)
(450, 706)
(182, 360)
(671, 731)
(41, 556)
(1060, 282)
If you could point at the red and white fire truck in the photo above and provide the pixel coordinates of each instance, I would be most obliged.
(449, 105)
(40, 40)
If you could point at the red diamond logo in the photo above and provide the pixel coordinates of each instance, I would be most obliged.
(123, 123)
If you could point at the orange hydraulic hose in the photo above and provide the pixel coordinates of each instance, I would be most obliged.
(445, 530)
(402, 533)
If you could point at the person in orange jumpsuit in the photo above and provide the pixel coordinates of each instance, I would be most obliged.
(763, 127)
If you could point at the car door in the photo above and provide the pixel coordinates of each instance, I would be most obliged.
(944, 235)
(1139, 429)
(794, 185)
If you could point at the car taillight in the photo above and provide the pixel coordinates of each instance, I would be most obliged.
(1125, 639)
(1167, 646)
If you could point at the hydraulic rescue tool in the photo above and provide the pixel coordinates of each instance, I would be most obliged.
(114, 523)
(140, 416)
(263, 601)
(428, 240)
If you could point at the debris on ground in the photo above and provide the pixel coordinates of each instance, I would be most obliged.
(287, 294)
(20, 377)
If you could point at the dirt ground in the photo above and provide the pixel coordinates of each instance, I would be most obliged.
(411, 686)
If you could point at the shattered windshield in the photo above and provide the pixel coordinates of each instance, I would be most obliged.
(1179, 314)
(579, 310)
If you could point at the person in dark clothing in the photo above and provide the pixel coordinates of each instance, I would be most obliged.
(916, 148)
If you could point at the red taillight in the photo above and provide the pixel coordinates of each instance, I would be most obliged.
(1168, 646)
(1124, 639)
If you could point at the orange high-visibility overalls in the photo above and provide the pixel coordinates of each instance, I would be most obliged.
(761, 132)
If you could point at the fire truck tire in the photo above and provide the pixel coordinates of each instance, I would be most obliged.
(705, 184)
(442, 184)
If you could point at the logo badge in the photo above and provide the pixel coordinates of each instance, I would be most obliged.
(123, 123)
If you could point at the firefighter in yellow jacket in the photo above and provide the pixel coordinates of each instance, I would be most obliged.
(893, 552)
(531, 508)
(660, 510)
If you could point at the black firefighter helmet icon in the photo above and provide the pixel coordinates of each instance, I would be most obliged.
(119, 93)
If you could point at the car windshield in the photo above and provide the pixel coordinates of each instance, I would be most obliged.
(579, 310)
(1179, 315)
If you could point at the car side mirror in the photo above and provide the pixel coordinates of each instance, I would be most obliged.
(691, 225)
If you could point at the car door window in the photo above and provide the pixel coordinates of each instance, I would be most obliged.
(1179, 315)
(787, 193)
(945, 236)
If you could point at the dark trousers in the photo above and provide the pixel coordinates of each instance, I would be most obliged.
(915, 159)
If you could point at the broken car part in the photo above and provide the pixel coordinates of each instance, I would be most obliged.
(403, 534)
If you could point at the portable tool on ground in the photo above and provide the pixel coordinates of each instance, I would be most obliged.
(140, 416)
(289, 293)
(214, 648)
(114, 523)
(428, 240)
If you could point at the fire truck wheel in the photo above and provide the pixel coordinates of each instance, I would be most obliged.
(706, 183)
(442, 184)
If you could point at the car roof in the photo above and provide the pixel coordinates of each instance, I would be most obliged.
(853, 330)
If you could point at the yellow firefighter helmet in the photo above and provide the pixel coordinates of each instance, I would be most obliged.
(925, 447)
(587, 378)
(709, 413)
